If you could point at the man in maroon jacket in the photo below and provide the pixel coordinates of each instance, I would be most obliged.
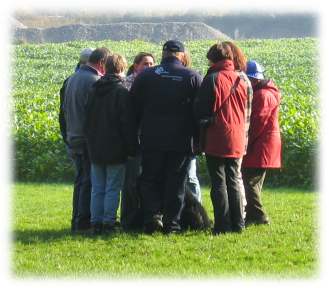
(264, 146)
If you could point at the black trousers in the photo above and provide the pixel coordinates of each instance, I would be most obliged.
(253, 179)
(82, 190)
(225, 193)
(162, 186)
(130, 216)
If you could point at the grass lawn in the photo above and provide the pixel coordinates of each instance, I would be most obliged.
(43, 246)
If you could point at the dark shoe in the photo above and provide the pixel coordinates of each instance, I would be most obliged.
(154, 226)
(81, 228)
(237, 229)
(109, 228)
(97, 229)
(216, 232)
(168, 231)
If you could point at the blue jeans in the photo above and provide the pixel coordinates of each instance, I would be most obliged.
(193, 181)
(107, 181)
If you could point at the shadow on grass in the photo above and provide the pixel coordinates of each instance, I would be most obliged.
(46, 236)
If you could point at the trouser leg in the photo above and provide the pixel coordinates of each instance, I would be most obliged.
(151, 185)
(233, 177)
(114, 181)
(176, 169)
(130, 196)
(218, 193)
(98, 179)
(193, 181)
(253, 179)
(82, 191)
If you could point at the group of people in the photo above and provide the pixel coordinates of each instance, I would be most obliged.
(137, 135)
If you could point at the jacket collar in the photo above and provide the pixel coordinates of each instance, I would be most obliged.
(172, 60)
(90, 69)
(261, 84)
(227, 65)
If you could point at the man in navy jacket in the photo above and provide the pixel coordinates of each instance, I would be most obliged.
(163, 97)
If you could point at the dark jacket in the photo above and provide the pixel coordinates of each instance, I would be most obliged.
(226, 137)
(264, 147)
(163, 96)
(75, 97)
(110, 127)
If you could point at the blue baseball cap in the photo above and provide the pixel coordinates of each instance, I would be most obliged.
(255, 70)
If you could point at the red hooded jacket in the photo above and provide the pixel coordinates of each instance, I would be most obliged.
(226, 137)
(264, 146)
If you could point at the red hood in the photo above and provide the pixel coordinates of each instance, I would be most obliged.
(269, 86)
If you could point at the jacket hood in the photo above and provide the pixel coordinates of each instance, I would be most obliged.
(269, 86)
(221, 65)
(104, 83)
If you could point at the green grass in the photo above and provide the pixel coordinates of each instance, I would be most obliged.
(43, 245)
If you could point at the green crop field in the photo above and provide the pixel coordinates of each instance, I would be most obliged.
(39, 70)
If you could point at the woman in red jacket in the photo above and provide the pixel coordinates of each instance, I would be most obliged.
(222, 103)
(264, 146)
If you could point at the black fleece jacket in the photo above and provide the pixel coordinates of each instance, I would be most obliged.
(110, 127)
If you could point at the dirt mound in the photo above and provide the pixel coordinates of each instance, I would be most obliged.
(154, 32)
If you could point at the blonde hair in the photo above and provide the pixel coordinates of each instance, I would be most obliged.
(116, 64)
(187, 61)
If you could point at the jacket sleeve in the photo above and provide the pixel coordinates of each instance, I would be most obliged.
(196, 84)
(205, 98)
(136, 96)
(262, 108)
(128, 123)
(88, 111)
(61, 116)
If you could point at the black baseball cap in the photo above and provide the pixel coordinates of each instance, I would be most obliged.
(173, 46)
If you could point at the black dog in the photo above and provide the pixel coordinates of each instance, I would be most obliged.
(193, 216)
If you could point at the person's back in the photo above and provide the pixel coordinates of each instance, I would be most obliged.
(109, 130)
(229, 125)
(265, 131)
(165, 108)
(75, 101)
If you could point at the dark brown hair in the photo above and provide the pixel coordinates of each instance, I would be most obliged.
(239, 59)
(99, 54)
(138, 59)
(227, 50)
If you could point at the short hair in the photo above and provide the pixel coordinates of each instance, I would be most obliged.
(99, 54)
(166, 54)
(220, 51)
(115, 64)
